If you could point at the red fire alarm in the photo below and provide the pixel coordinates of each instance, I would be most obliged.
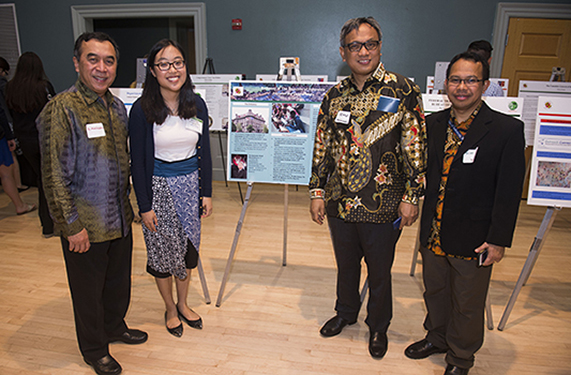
(237, 24)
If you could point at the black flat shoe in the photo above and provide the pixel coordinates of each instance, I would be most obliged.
(131, 337)
(455, 370)
(334, 326)
(176, 331)
(197, 324)
(106, 365)
(378, 344)
(422, 349)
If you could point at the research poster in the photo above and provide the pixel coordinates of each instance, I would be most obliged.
(530, 91)
(214, 89)
(271, 131)
(550, 179)
(506, 105)
(128, 96)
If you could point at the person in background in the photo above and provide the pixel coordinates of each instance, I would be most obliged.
(15, 168)
(7, 145)
(367, 176)
(172, 176)
(26, 95)
(484, 49)
(85, 170)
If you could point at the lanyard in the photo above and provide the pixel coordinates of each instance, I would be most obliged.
(455, 129)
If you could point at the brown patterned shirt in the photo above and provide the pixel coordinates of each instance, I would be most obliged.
(370, 148)
(85, 163)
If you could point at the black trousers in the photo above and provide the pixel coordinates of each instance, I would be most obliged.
(31, 151)
(376, 243)
(100, 285)
(455, 298)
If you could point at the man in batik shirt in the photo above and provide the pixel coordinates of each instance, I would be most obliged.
(367, 176)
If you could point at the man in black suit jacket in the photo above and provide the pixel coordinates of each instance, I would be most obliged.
(474, 180)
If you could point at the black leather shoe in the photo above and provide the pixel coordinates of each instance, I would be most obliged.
(334, 326)
(131, 336)
(422, 349)
(455, 370)
(193, 323)
(378, 344)
(105, 365)
(176, 331)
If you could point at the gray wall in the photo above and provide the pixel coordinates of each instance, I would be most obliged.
(416, 33)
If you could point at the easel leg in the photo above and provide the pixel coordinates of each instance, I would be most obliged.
(364, 290)
(203, 282)
(222, 157)
(284, 258)
(530, 262)
(489, 318)
(234, 244)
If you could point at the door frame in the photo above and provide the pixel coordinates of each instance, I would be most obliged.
(505, 11)
(83, 15)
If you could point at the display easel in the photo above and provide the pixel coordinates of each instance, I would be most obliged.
(534, 251)
(289, 67)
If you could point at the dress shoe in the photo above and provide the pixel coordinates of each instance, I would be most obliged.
(131, 336)
(378, 344)
(455, 370)
(193, 323)
(422, 349)
(334, 326)
(106, 365)
(176, 331)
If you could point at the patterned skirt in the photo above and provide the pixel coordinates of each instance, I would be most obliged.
(176, 205)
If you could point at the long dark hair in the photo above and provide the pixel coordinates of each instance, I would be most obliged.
(28, 90)
(152, 102)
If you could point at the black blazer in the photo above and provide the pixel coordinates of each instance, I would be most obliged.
(482, 198)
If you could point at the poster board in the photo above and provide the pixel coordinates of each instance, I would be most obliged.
(128, 96)
(550, 178)
(530, 92)
(506, 105)
(304, 77)
(272, 129)
(214, 89)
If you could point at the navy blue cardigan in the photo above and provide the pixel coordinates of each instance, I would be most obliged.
(142, 146)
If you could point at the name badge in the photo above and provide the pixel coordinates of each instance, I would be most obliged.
(194, 124)
(343, 117)
(388, 104)
(469, 156)
(95, 130)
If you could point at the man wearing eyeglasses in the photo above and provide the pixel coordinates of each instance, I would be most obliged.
(85, 167)
(367, 176)
(474, 181)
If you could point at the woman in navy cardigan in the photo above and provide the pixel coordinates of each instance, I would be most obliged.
(172, 176)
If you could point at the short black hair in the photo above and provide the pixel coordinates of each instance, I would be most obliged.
(481, 47)
(97, 35)
(471, 56)
(355, 23)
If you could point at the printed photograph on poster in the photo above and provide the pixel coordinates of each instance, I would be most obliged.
(250, 119)
(290, 118)
(550, 180)
(239, 166)
(272, 130)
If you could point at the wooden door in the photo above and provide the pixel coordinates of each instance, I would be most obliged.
(534, 47)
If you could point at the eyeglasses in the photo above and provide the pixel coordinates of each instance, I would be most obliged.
(165, 66)
(470, 81)
(371, 45)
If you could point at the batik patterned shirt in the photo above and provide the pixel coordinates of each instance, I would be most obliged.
(85, 163)
(370, 148)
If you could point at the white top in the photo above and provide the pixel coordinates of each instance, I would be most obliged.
(176, 138)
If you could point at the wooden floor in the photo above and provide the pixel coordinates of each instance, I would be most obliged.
(270, 315)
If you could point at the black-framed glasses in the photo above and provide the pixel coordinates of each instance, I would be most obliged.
(165, 66)
(470, 81)
(371, 45)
